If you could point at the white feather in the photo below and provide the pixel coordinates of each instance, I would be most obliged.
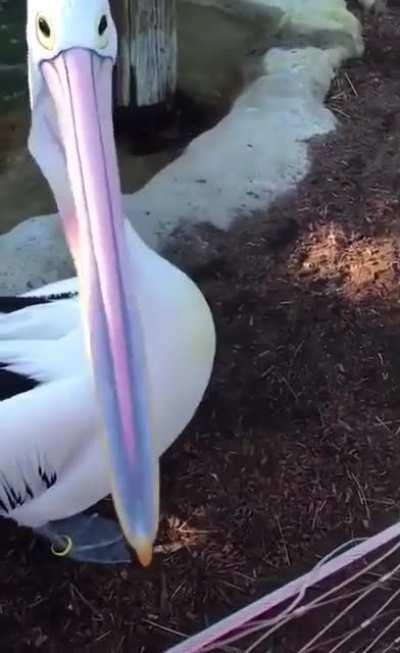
(41, 322)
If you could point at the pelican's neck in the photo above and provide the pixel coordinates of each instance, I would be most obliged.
(138, 249)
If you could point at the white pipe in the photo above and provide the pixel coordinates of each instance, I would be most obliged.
(235, 621)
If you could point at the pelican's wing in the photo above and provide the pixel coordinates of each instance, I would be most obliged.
(47, 437)
(40, 338)
(42, 361)
(48, 419)
(65, 288)
(47, 313)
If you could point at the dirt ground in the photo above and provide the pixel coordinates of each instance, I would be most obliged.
(296, 447)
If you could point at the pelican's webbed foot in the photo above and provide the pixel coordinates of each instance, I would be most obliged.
(87, 538)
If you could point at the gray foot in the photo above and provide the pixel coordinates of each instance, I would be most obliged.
(87, 538)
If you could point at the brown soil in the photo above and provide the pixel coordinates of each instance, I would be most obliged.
(296, 447)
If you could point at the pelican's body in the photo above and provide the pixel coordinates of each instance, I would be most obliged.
(123, 356)
(55, 427)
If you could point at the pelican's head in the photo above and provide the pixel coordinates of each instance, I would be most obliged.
(72, 47)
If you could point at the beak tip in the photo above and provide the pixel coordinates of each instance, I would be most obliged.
(144, 552)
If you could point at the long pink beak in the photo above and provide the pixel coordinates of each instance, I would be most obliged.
(80, 83)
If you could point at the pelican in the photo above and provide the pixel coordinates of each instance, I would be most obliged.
(98, 374)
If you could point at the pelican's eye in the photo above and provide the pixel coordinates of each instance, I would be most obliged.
(103, 25)
(103, 31)
(44, 32)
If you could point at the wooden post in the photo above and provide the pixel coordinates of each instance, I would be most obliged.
(121, 10)
(155, 51)
(148, 50)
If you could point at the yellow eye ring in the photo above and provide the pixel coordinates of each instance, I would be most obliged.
(63, 553)
(45, 34)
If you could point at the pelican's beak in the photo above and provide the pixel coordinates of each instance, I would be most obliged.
(80, 84)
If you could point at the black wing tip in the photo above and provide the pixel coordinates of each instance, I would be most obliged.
(13, 384)
(13, 304)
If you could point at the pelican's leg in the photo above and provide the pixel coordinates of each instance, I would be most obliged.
(87, 538)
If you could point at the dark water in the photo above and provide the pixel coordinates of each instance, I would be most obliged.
(12, 31)
(12, 53)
